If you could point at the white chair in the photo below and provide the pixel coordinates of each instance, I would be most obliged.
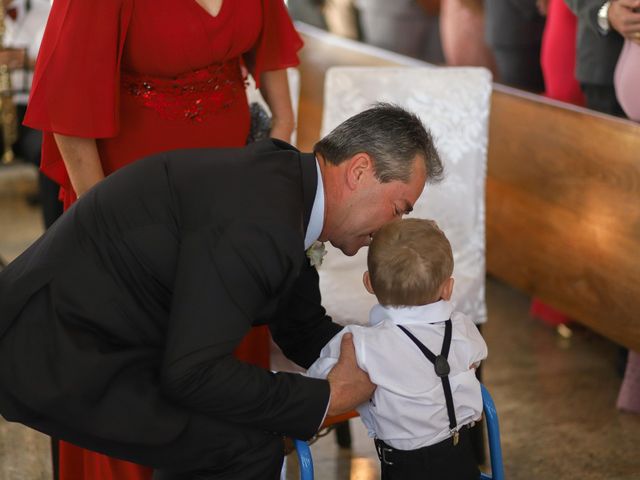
(454, 104)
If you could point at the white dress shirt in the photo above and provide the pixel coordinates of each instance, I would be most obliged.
(408, 409)
(316, 217)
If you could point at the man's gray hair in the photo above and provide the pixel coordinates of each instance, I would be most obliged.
(391, 135)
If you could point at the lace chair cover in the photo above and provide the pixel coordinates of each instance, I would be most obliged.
(454, 104)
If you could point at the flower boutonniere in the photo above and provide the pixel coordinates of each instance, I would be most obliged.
(316, 253)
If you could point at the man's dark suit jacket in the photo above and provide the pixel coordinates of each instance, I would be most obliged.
(117, 326)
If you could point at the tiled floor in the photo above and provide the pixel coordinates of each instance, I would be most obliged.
(555, 396)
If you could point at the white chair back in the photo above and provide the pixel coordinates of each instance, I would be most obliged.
(454, 104)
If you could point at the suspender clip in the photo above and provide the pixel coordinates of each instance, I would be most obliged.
(441, 366)
(456, 437)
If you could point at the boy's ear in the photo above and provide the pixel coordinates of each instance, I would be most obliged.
(447, 289)
(366, 279)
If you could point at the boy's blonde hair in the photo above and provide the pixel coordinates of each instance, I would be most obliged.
(408, 261)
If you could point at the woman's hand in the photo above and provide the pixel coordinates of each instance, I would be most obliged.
(275, 90)
(282, 129)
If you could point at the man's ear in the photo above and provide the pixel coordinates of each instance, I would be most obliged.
(446, 290)
(366, 279)
(357, 168)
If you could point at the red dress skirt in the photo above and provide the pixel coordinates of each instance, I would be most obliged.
(142, 77)
(558, 54)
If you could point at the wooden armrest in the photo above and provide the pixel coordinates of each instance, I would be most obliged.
(339, 418)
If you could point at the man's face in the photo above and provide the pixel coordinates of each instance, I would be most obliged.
(372, 204)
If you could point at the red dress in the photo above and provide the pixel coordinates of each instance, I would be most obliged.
(145, 76)
(558, 54)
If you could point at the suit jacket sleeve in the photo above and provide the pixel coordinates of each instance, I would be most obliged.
(586, 11)
(304, 327)
(223, 280)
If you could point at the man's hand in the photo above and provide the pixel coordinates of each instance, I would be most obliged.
(624, 17)
(350, 386)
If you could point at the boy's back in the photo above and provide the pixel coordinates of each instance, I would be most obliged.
(408, 409)
(421, 355)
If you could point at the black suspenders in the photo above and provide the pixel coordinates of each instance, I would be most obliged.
(441, 366)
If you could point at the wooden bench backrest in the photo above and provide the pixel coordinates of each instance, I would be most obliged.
(563, 193)
(563, 209)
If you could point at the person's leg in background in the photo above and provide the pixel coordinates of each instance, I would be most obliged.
(28, 147)
(462, 34)
(514, 33)
(628, 398)
(602, 98)
(342, 18)
(401, 27)
(308, 11)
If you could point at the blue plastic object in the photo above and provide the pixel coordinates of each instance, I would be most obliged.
(305, 460)
(493, 431)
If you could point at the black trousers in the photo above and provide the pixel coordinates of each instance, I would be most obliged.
(29, 147)
(442, 461)
(520, 67)
(602, 98)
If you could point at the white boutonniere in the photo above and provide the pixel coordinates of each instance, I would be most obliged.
(316, 253)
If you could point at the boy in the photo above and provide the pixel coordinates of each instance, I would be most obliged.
(421, 355)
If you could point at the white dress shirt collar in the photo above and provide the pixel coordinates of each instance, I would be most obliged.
(431, 313)
(316, 221)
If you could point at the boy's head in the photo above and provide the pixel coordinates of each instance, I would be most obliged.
(410, 263)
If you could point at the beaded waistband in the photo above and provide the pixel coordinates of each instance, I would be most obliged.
(190, 96)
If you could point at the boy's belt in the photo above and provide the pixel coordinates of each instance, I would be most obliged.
(388, 455)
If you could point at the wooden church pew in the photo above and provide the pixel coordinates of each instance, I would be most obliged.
(563, 193)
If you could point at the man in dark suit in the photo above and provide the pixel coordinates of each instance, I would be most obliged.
(117, 326)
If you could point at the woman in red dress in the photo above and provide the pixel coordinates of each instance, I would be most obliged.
(119, 80)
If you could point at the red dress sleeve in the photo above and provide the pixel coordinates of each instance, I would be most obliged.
(77, 76)
(278, 44)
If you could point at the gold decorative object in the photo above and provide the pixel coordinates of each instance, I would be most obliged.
(8, 114)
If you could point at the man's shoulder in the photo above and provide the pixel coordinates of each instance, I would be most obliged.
(271, 145)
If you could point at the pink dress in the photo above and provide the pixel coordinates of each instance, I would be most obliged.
(627, 80)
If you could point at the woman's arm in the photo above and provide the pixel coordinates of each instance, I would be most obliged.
(81, 158)
(275, 90)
